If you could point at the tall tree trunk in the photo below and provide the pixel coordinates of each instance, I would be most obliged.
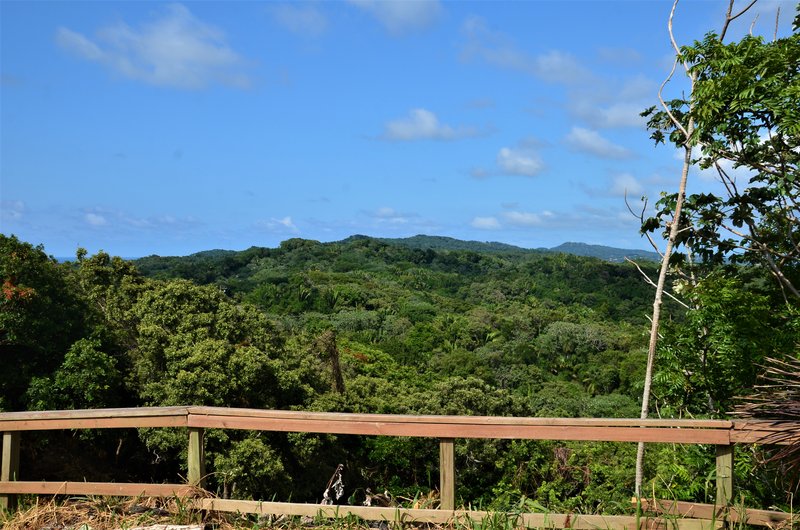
(674, 228)
(656, 318)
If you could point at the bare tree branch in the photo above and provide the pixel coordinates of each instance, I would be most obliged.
(729, 18)
(640, 216)
(652, 283)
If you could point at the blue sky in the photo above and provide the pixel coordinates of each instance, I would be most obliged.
(168, 128)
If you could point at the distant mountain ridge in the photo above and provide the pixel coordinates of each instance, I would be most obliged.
(424, 242)
(605, 253)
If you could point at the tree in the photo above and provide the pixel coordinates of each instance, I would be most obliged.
(41, 315)
(746, 118)
(741, 112)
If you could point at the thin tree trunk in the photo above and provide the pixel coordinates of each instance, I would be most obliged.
(656, 319)
(674, 227)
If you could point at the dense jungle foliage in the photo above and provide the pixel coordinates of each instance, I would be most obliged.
(364, 325)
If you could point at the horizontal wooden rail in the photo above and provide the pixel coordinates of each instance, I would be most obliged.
(410, 515)
(94, 419)
(733, 514)
(721, 433)
(98, 488)
(439, 427)
(584, 429)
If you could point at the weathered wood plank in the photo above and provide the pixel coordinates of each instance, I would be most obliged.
(93, 423)
(447, 474)
(531, 520)
(196, 458)
(709, 511)
(472, 420)
(724, 463)
(463, 430)
(97, 488)
(9, 467)
(129, 412)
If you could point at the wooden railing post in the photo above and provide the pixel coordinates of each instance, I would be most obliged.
(447, 474)
(9, 466)
(197, 458)
(724, 475)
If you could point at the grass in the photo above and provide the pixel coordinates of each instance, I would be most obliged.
(125, 513)
(100, 513)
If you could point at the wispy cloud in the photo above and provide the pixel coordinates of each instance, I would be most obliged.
(485, 223)
(422, 124)
(614, 104)
(284, 225)
(493, 47)
(95, 219)
(626, 184)
(528, 218)
(522, 160)
(608, 116)
(175, 50)
(519, 161)
(591, 142)
(301, 19)
(387, 215)
(98, 217)
(400, 17)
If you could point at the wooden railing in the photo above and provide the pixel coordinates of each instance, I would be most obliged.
(721, 433)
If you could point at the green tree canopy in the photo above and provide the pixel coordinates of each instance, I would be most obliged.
(746, 116)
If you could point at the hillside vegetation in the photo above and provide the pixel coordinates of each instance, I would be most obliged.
(372, 326)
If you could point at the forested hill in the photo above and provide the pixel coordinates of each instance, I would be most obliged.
(424, 242)
(578, 249)
(393, 269)
(605, 253)
(368, 326)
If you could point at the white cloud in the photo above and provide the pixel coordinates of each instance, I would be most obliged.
(175, 50)
(301, 19)
(283, 225)
(559, 67)
(78, 44)
(95, 219)
(423, 124)
(519, 161)
(527, 218)
(589, 141)
(389, 215)
(401, 16)
(485, 223)
(287, 222)
(625, 183)
(495, 48)
(610, 104)
(615, 115)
